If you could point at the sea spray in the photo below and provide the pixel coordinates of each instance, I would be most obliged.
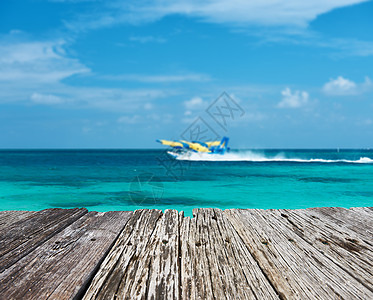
(251, 156)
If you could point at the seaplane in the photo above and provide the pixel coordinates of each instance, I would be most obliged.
(185, 148)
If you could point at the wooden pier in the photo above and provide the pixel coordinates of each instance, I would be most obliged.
(318, 253)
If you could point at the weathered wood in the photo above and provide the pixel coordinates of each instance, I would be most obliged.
(295, 268)
(156, 276)
(119, 269)
(12, 216)
(361, 224)
(365, 214)
(215, 263)
(22, 237)
(162, 260)
(193, 277)
(320, 253)
(368, 210)
(339, 244)
(64, 265)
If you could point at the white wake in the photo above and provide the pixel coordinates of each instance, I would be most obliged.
(251, 156)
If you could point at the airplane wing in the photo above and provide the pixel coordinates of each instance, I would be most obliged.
(207, 147)
(196, 146)
(171, 143)
(212, 144)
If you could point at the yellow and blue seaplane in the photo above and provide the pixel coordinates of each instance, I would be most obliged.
(182, 147)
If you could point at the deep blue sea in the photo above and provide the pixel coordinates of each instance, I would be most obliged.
(104, 180)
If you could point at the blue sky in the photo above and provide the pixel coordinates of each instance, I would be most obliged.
(120, 74)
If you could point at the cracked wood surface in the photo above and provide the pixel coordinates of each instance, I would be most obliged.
(12, 216)
(215, 263)
(25, 235)
(54, 270)
(295, 267)
(344, 247)
(317, 253)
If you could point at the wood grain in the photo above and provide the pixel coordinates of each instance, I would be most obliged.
(21, 237)
(295, 267)
(318, 253)
(62, 267)
(339, 244)
(9, 217)
(118, 273)
(215, 263)
(361, 222)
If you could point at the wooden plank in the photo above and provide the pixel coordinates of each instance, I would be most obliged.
(12, 216)
(118, 271)
(295, 268)
(238, 253)
(361, 224)
(339, 244)
(320, 253)
(62, 267)
(164, 275)
(23, 236)
(215, 263)
(366, 212)
(195, 274)
(157, 274)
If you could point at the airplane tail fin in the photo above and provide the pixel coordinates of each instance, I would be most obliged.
(222, 147)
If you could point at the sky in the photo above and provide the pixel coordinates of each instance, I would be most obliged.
(121, 74)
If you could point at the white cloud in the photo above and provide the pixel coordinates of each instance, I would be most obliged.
(147, 39)
(365, 122)
(154, 117)
(41, 62)
(129, 119)
(340, 86)
(188, 120)
(285, 13)
(343, 87)
(293, 100)
(33, 71)
(148, 106)
(279, 20)
(192, 107)
(46, 99)
(253, 117)
(340, 47)
(367, 84)
(194, 104)
(161, 118)
(158, 78)
(116, 100)
(350, 47)
(269, 12)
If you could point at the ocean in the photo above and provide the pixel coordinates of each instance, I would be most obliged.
(104, 180)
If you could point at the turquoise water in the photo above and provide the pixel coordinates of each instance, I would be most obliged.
(104, 180)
